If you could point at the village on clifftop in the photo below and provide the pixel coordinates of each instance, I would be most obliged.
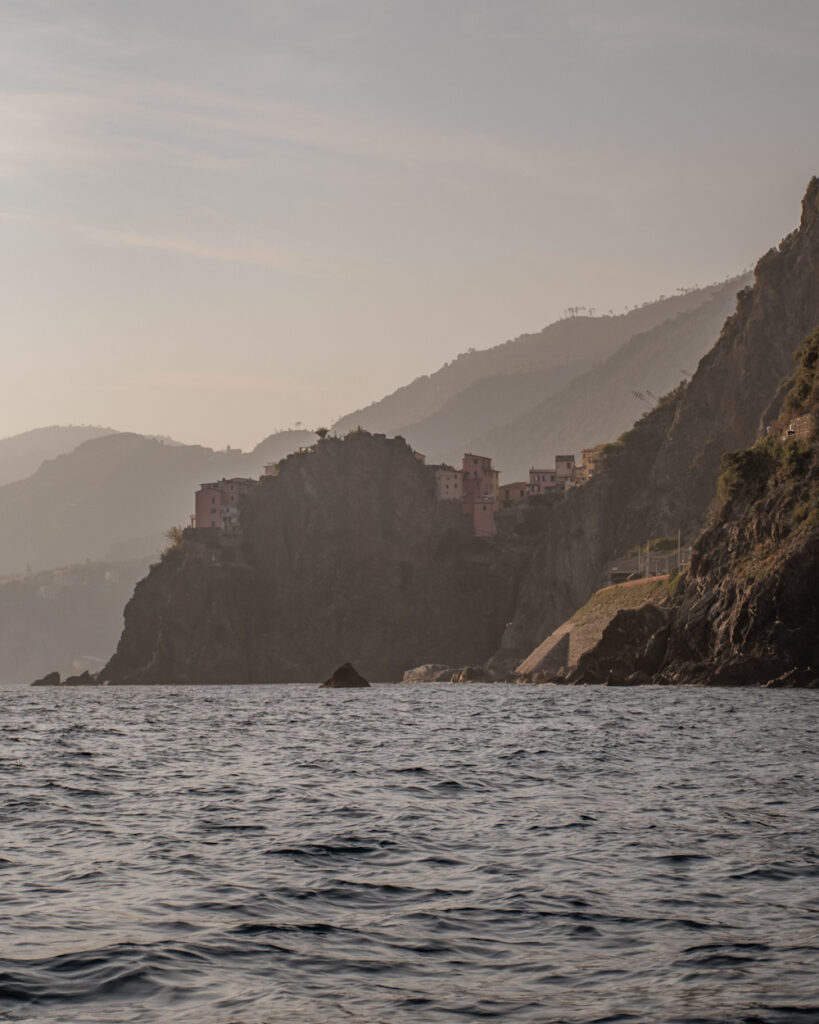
(476, 485)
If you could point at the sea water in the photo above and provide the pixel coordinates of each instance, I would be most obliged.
(239, 855)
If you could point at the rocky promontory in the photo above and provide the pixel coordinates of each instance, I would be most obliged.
(345, 555)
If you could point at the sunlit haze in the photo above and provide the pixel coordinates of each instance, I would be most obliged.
(221, 219)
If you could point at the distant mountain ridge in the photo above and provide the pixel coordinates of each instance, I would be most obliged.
(119, 491)
(21, 455)
(115, 494)
(598, 405)
(576, 342)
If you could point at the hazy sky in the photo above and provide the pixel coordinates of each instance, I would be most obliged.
(223, 218)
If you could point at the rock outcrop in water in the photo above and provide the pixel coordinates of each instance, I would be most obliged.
(345, 677)
(660, 477)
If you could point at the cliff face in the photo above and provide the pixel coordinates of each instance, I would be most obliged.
(661, 475)
(747, 611)
(347, 556)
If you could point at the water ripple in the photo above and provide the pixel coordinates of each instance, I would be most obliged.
(424, 854)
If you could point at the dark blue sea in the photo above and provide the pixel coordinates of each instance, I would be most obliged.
(409, 853)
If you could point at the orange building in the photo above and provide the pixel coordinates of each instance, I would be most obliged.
(590, 459)
(512, 494)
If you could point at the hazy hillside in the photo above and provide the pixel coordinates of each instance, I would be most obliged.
(22, 454)
(67, 619)
(579, 340)
(115, 495)
(600, 404)
(492, 401)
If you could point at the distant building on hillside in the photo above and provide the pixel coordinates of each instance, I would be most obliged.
(512, 494)
(448, 483)
(479, 478)
(479, 482)
(565, 470)
(801, 428)
(218, 503)
(482, 513)
(541, 480)
(590, 459)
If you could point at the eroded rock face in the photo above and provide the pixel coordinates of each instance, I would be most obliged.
(345, 677)
(749, 613)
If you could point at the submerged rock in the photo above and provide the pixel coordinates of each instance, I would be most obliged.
(346, 676)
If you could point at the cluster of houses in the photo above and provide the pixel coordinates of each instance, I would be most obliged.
(476, 485)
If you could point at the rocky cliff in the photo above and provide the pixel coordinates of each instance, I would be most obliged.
(747, 612)
(660, 477)
(346, 556)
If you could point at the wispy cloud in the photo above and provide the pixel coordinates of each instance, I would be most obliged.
(236, 249)
(104, 99)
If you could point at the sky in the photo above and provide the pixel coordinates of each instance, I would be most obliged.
(222, 219)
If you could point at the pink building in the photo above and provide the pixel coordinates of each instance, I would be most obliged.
(448, 483)
(479, 478)
(217, 504)
(482, 513)
(480, 493)
(541, 480)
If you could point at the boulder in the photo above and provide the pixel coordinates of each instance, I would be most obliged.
(346, 676)
(633, 644)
